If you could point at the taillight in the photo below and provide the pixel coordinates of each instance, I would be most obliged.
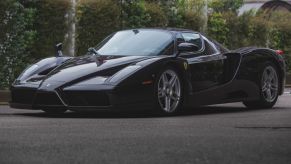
(280, 52)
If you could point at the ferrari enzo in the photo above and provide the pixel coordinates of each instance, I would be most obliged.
(162, 69)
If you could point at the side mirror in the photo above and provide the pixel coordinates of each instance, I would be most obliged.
(187, 47)
(59, 48)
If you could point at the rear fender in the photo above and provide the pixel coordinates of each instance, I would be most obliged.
(253, 60)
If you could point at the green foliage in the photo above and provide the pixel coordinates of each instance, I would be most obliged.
(250, 29)
(171, 10)
(96, 20)
(29, 31)
(51, 25)
(280, 34)
(193, 14)
(225, 5)
(134, 14)
(157, 17)
(217, 28)
(16, 38)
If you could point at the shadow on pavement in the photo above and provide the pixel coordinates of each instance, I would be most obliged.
(208, 110)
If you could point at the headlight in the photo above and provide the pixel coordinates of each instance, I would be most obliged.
(28, 72)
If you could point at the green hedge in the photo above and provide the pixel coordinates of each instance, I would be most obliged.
(51, 24)
(96, 20)
(16, 39)
(157, 17)
(29, 31)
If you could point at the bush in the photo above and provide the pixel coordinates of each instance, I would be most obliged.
(51, 25)
(134, 14)
(280, 34)
(16, 38)
(29, 31)
(217, 28)
(193, 14)
(96, 20)
(271, 30)
(157, 17)
(226, 5)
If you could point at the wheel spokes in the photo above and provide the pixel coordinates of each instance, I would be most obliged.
(167, 103)
(270, 84)
(264, 88)
(165, 79)
(274, 87)
(269, 94)
(161, 93)
(175, 98)
(173, 81)
(169, 91)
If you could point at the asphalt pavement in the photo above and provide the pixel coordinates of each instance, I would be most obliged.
(223, 134)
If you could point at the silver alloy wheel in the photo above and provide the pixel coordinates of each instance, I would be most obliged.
(269, 84)
(169, 91)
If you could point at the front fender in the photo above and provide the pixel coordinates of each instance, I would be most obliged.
(36, 71)
(137, 81)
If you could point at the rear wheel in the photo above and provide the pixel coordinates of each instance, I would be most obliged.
(168, 89)
(268, 89)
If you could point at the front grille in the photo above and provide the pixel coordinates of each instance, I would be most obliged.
(47, 98)
(22, 95)
(86, 98)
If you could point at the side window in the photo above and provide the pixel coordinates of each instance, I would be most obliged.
(169, 50)
(193, 38)
(210, 48)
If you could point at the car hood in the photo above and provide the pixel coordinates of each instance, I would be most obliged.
(82, 68)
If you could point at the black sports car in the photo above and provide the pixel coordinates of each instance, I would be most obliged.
(162, 69)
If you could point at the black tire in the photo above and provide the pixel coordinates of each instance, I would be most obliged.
(264, 100)
(54, 111)
(173, 93)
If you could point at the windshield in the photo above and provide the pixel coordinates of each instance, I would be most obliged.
(136, 43)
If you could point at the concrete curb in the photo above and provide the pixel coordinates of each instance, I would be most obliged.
(4, 97)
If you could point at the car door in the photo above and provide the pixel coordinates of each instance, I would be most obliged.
(206, 65)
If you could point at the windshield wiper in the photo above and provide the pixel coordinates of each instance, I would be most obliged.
(94, 51)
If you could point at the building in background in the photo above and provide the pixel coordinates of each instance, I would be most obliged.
(267, 5)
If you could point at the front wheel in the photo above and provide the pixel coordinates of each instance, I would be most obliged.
(168, 90)
(268, 88)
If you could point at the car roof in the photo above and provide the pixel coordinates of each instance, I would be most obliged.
(164, 29)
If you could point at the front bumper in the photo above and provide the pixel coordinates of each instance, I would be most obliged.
(79, 99)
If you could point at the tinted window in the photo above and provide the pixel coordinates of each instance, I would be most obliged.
(209, 49)
(193, 38)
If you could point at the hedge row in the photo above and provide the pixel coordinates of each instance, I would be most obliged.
(29, 29)
(96, 19)
(16, 39)
(99, 18)
(50, 23)
(250, 29)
